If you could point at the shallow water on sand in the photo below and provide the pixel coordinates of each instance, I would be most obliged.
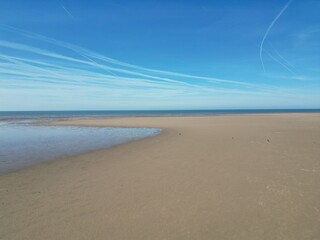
(22, 145)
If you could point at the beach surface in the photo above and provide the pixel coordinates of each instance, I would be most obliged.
(205, 177)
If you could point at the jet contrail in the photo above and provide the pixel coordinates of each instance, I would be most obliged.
(283, 65)
(66, 10)
(101, 57)
(269, 28)
(109, 64)
(284, 60)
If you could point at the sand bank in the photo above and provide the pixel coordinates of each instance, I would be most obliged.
(215, 177)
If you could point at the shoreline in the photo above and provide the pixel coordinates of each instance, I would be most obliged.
(208, 177)
(76, 115)
(119, 121)
(60, 142)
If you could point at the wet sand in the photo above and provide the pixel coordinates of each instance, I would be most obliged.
(214, 177)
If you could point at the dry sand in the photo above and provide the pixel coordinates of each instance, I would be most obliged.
(218, 177)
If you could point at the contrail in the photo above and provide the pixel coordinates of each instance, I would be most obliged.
(86, 57)
(283, 65)
(66, 10)
(285, 60)
(127, 71)
(110, 60)
(282, 58)
(269, 28)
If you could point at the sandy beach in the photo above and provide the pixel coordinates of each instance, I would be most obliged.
(205, 177)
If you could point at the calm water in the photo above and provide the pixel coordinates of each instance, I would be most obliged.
(23, 145)
(4, 115)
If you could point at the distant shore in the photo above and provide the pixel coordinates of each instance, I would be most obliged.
(80, 114)
(241, 176)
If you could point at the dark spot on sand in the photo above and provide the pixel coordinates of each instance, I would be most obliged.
(268, 140)
(179, 133)
(36, 192)
(232, 138)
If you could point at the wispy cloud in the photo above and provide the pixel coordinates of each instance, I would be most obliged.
(66, 10)
(284, 60)
(268, 30)
(278, 61)
(296, 77)
(111, 66)
(107, 63)
(307, 36)
(94, 74)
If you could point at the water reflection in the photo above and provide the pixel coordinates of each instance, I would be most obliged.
(23, 145)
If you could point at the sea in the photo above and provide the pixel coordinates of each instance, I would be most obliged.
(25, 115)
(24, 143)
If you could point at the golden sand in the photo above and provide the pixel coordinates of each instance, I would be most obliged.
(215, 177)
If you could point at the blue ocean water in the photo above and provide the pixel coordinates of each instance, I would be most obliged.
(7, 115)
(22, 145)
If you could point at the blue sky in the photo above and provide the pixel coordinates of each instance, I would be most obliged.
(109, 55)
